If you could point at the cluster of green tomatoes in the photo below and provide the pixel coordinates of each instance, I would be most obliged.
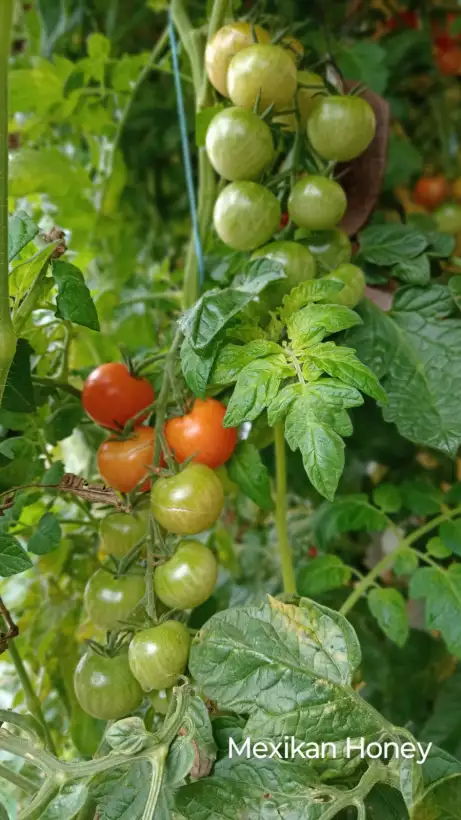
(268, 93)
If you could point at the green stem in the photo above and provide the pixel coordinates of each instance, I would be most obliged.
(7, 335)
(162, 400)
(157, 761)
(18, 780)
(150, 595)
(285, 551)
(58, 385)
(37, 806)
(33, 702)
(32, 298)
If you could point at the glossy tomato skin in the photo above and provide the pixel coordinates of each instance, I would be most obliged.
(200, 434)
(109, 600)
(189, 502)
(266, 72)
(158, 656)
(105, 687)
(119, 532)
(298, 265)
(354, 283)
(341, 128)
(111, 396)
(448, 218)
(317, 203)
(431, 191)
(227, 42)
(188, 578)
(329, 248)
(239, 144)
(246, 215)
(306, 100)
(124, 464)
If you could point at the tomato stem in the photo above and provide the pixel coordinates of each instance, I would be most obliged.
(33, 702)
(7, 335)
(150, 594)
(284, 546)
(157, 761)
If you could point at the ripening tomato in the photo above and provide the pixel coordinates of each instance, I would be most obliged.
(188, 578)
(448, 61)
(200, 434)
(263, 72)
(109, 600)
(119, 532)
(310, 88)
(246, 215)
(298, 266)
(227, 42)
(239, 144)
(105, 687)
(354, 284)
(189, 502)
(448, 218)
(317, 203)
(341, 128)
(405, 19)
(124, 464)
(431, 191)
(329, 248)
(112, 396)
(158, 656)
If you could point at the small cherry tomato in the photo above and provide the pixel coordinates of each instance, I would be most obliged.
(227, 42)
(109, 600)
(263, 72)
(105, 687)
(431, 191)
(329, 248)
(158, 656)
(448, 61)
(124, 464)
(448, 218)
(239, 144)
(317, 203)
(246, 215)
(341, 128)
(188, 578)
(189, 502)
(112, 396)
(119, 532)
(354, 283)
(200, 434)
(298, 265)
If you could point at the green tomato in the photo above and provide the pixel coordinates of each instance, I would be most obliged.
(119, 532)
(105, 687)
(188, 578)
(298, 265)
(227, 41)
(306, 99)
(266, 72)
(160, 700)
(329, 248)
(317, 203)
(239, 144)
(448, 218)
(341, 128)
(354, 283)
(246, 215)
(158, 656)
(109, 600)
(189, 502)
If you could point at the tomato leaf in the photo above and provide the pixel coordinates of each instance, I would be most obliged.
(63, 420)
(21, 230)
(73, 301)
(257, 385)
(352, 513)
(450, 534)
(311, 324)
(388, 497)
(231, 359)
(196, 368)
(67, 803)
(342, 363)
(404, 162)
(389, 608)
(389, 244)
(365, 62)
(13, 559)
(322, 574)
(122, 793)
(420, 498)
(401, 348)
(415, 271)
(47, 535)
(441, 590)
(441, 245)
(19, 394)
(251, 475)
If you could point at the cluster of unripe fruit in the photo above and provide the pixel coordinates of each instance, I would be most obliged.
(259, 77)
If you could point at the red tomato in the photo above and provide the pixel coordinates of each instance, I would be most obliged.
(112, 396)
(405, 19)
(284, 220)
(123, 464)
(449, 61)
(312, 552)
(431, 191)
(201, 434)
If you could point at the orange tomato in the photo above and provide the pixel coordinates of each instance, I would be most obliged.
(200, 434)
(125, 463)
(431, 191)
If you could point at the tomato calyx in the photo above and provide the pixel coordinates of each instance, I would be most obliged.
(116, 643)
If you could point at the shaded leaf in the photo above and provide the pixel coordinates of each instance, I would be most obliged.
(389, 608)
(441, 591)
(74, 301)
(13, 559)
(322, 574)
(251, 475)
(389, 244)
(19, 394)
(47, 536)
(21, 230)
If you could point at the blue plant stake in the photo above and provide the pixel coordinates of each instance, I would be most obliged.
(186, 150)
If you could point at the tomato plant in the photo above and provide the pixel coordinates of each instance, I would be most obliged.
(158, 656)
(262, 72)
(188, 578)
(200, 435)
(341, 128)
(105, 686)
(112, 396)
(124, 463)
(188, 502)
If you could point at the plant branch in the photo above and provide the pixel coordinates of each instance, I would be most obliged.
(18, 780)
(284, 546)
(32, 700)
(157, 761)
(162, 400)
(7, 335)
